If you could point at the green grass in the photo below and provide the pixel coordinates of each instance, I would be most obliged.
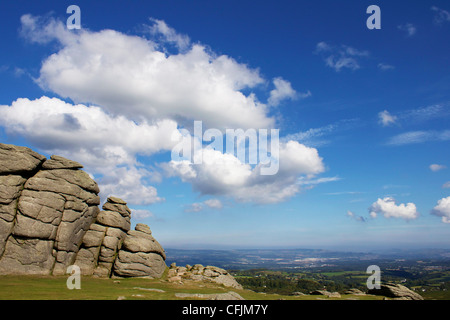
(436, 295)
(54, 288)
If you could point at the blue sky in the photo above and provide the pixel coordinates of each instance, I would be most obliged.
(363, 114)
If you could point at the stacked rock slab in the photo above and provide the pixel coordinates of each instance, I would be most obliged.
(49, 220)
(103, 240)
(47, 206)
(141, 255)
(17, 164)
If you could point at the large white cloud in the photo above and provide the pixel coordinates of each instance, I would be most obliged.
(99, 141)
(389, 209)
(442, 209)
(132, 76)
(131, 96)
(224, 174)
(55, 124)
(108, 146)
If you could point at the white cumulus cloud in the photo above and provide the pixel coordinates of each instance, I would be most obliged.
(106, 145)
(224, 174)
(129, 103)
(442, 209)
(283, 90)
(147, 82)
(389, 209)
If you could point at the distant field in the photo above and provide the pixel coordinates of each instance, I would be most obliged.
(354, 274)
(436, 295)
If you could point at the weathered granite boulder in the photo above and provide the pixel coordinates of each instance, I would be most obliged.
(49, 220)
(47, 206)
(326, 293)
(17, 164)
(355, 292)
(100, 246)
(141, 255)
(87, 257)
(396, 291)
(200, 273)
(18, 160)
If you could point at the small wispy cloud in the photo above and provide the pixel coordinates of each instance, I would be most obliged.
(168, 35)
(437, 167)
(426, 113)
(446, 185)
(213, 203)
(311, 136)
(306, 181)
(395, 186)
(355, 217)
(200, 206)
(340, 57)
(386, 119)
(417, 115)
(408, 28)
(441, 15)
(343, 193)
(283, 90)
(413, 137)
(140, 214)
(316, 137)
(384, 66)
(194, 207)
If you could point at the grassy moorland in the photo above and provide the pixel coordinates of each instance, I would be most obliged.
(258, 284)
(54, 288)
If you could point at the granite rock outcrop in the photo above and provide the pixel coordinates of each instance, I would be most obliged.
(396, 291)
(198, 272)
(50, 219)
